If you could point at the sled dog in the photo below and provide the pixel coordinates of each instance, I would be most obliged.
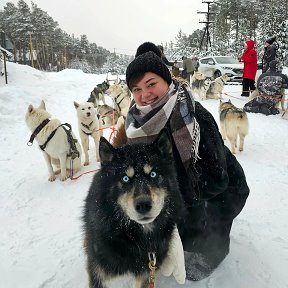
(197, 76)
(182, 81)
(89, 125)
(98, 93)
(108, 116)
(121, 98)
(216, 87)
(130, 215)
(200, 87)
(233, 123)
(57, 142)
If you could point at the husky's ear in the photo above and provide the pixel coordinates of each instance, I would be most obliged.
(221, 102)
(76, 105)
(30, 108)
(163, 142)
(42, 105)
(105, 150)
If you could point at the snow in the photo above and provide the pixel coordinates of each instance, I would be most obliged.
(41, 244)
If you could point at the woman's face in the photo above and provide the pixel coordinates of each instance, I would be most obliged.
(149, 89)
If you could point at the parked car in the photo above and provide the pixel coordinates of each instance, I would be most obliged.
(215, 66)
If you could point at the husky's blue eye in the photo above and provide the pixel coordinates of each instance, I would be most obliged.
(153, 174)
(125, 179)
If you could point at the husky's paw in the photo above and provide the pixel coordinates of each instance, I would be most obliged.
(63, 178)
(167, 267)
(52, 178)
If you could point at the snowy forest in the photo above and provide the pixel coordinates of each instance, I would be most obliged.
(33, 32)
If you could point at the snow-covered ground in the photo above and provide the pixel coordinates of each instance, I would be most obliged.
(41, 231)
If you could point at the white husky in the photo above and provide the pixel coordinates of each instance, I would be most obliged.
(58, 143)
(89, 125)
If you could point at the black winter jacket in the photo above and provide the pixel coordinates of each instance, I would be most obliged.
(214, 191)
(270, 53)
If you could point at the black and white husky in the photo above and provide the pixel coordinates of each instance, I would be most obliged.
(130, 215)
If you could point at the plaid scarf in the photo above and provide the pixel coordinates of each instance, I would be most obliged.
(143, 123)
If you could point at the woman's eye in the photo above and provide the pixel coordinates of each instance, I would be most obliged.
(125, 179)
(135, 90)
(151, 84)
(153, 174)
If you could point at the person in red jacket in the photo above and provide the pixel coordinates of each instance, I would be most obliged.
(249, 58)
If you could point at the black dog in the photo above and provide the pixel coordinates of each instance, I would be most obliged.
(131, 213)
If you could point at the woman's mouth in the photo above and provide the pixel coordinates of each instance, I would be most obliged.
(148, 102)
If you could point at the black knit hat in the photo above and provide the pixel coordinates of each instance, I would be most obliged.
(271, 40)
(147, 60)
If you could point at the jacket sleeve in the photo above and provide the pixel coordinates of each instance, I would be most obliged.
(211, 168)
(249, 57)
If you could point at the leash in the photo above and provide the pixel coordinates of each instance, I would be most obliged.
(152, 268)
(77, 177)
(114, 130)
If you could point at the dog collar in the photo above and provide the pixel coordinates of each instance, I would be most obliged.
(36, 131)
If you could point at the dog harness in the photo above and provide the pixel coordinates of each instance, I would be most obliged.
(36, 131)
(73, 152)
(87, 127)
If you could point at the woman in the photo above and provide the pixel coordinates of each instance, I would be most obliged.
(249, 58)
(212, 182)
(270, 53)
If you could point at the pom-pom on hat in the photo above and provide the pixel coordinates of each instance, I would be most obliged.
(146, 47)
(148, 59)
(271, 40)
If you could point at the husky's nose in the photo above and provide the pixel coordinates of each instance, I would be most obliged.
(88, 114)
(143, 204)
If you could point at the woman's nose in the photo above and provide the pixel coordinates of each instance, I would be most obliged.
(145, 93)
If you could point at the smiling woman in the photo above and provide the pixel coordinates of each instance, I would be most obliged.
(212, 182)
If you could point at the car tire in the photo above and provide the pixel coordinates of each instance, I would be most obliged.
(217, 73)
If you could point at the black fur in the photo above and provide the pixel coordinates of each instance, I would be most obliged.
(114, 242)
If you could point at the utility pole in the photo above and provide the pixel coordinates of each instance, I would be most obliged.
(207, 22)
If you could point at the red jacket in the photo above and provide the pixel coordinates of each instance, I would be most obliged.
(249, 58)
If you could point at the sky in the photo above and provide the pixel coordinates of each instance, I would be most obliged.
(124, 25)
(41, 239)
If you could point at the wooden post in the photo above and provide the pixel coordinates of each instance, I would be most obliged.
(5, 68)
(31, 49)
